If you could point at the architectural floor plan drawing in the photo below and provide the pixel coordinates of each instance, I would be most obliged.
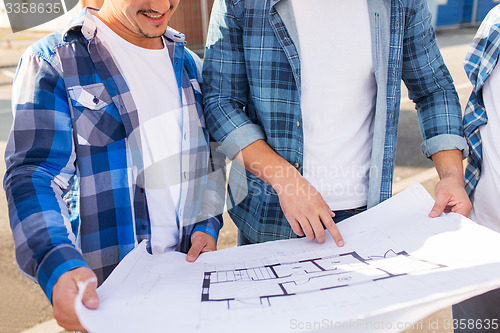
(397, 266)
(259, 285)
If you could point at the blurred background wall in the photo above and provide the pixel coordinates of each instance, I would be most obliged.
(192, 16)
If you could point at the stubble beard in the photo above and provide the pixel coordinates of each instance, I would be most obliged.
(146, 35)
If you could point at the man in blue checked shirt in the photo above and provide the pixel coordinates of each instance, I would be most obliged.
(108, 148)
(307, 94)
(482, 173)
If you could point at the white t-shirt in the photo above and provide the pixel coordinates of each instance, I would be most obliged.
(338, 92)
(151, 79)
(487, 194)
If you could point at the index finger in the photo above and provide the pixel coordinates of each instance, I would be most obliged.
(330, 225)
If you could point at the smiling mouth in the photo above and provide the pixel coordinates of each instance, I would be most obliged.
(154, 15)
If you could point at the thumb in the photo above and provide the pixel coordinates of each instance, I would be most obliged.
(439, 206)
(194, 251)
(90, 298)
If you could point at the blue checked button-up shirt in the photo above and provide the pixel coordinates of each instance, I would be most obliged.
(70, 147)
(252, 80)
(479, 62)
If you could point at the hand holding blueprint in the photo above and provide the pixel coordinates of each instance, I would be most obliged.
(397, 265)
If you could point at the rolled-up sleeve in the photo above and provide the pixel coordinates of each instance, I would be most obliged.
(225, 83)
(430, 86)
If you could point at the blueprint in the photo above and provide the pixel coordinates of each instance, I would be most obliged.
(262, 284)
(397, 266)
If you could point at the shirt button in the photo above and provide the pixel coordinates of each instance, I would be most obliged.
(298, 123)
(297, 165)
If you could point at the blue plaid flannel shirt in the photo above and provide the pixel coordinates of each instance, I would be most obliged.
(251, 91)
(50, 168)
(480, 60)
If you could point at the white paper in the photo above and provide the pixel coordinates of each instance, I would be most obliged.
(397, 266)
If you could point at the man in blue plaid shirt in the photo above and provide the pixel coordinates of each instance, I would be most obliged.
(307, 94)
(108, 148)
(482, 173)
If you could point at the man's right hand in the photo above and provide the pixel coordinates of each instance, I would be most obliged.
(65, 292)
(305, 209)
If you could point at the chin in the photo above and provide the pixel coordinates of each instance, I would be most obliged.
(153, 33)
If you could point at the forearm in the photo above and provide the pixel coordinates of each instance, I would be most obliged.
(40, 227)
(448, 164)
(261, 160)
(40, 160)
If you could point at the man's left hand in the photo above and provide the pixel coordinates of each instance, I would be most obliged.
(451, 197)
(450, 190)
(200, 242)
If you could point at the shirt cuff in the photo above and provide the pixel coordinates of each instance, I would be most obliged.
(210, 226)
(240, 138)
(445, 142)
(56, 262)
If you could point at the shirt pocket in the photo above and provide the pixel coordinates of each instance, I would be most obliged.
(192, 94)
(96, 119)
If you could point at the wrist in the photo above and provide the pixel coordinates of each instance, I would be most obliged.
(284, 176)
(453, 177)
(449, 165)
